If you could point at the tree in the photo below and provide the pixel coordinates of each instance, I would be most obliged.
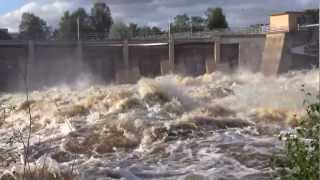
(144, 31)
(133, 30)
(312, 16)
(155, 30)
(300, 157)
(65, 26)
(216, 18)
(198, 23)
(68, 24)
(101, 19)
(119, 30)
(85, 22)
(181, 23)
(55, 34)
(33, 27)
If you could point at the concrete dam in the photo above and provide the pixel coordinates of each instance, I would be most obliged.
(48, 63)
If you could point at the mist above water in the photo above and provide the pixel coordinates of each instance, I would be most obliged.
(215, 126)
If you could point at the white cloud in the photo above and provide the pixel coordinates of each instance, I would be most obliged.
(51, 12)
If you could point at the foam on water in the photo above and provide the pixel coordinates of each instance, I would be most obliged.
(214, 126)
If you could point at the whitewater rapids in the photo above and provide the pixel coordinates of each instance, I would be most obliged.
(214, 126)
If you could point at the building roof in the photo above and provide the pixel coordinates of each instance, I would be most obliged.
(287, 12)
(4, 30)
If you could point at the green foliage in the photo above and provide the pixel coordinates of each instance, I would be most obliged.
(184, 23)
(65, 27)
(312, 16)
(98, 25)
(148, 31)
(33, 27)
(68, 24)
(302, 148)
(133, 29)
(119, 30)
(181, 23)
(155, 30)
(98, 22)
(198, 23)
(216, 18)
(101, 19)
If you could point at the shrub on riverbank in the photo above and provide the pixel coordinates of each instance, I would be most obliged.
(302, 153)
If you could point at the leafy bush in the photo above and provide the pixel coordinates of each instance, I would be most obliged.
(302, 151)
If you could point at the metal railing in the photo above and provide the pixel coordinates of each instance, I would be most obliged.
(308, 27)
(269, 29)
(205, 34)
(261, 29)
(161, 36)
(304, 27)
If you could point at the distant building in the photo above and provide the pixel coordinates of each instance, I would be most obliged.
(4, 34)
(291, 20)
(286, 21)
(4, 30)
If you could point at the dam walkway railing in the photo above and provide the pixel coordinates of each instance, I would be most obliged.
(205, 34)
(165, 36)
(186, 35)
(96, 38)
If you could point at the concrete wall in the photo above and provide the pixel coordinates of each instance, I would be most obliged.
(273, 53)
(13, 61)
(102, 62)
(286, 51)
(52, 63)
(250, 50)
(229, 60)
(295, 60)
(190, 58)
(148, 59)
(223, 53)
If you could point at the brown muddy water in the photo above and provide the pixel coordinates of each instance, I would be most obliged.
(216, 126)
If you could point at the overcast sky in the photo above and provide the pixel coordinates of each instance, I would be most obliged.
(151, 12)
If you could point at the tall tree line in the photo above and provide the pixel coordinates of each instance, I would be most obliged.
(120, 30)
(98, 24)
(33, 27)
(98, 21)
(214, 19)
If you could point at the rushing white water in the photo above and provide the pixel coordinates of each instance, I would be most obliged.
(215, 126)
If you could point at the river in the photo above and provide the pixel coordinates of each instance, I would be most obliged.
(216, 126)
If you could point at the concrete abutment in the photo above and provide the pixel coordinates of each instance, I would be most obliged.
(285, 51)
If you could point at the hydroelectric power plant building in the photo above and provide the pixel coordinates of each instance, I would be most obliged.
(288, 43)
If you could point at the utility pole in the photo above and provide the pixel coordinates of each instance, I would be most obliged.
(78, 28)
(171, 49)
(191, 28)
(169, 30)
